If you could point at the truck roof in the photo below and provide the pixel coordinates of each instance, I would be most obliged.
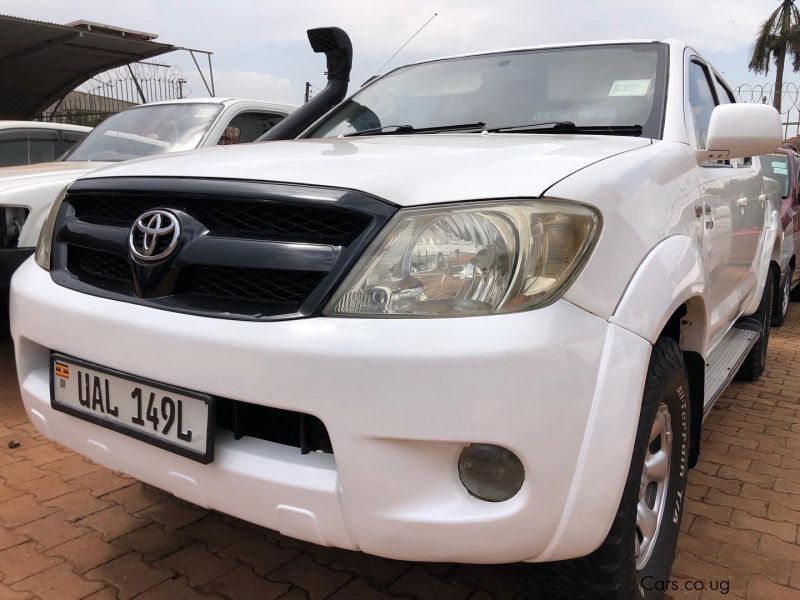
(671, 42)
(222, 100)
(9, 124)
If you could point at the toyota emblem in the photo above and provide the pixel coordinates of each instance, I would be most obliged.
(154, 235)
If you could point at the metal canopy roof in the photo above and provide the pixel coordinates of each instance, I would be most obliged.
(41, 62)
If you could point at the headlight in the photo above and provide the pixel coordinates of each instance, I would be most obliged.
(469, 259)
(45, 241)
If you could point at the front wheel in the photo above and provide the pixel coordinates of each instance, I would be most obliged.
(635, 559)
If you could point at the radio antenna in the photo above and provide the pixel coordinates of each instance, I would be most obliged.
(404, 45)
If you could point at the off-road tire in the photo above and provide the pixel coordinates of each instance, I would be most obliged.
(756, 359)
(610, 573)
(781, 307)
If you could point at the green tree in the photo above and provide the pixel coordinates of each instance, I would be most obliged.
(779, 34)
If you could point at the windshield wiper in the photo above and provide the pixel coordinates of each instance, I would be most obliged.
(543, 125)
(401, 129)
(382, 129)
(570, 127)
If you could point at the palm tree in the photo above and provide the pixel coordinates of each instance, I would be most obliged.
(779, 34)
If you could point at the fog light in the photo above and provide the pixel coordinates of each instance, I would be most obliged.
(489, 472)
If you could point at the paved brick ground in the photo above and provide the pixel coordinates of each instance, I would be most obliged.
(70, 529)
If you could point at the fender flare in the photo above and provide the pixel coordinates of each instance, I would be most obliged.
(673, 273)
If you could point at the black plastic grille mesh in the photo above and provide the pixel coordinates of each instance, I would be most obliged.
(269, 286)
(118, 210)
(257, 220)
(257, 285)
(100, 265)
(232, 218)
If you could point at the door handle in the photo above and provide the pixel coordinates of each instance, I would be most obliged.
(743, 201)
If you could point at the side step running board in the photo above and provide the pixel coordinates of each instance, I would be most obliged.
(724, 361)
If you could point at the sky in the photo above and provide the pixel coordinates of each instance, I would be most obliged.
(261, 50)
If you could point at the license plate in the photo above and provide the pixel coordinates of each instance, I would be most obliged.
(171, 418)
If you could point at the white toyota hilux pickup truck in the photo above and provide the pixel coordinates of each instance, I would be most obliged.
(475, 312)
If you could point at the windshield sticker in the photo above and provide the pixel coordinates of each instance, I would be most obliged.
(630, 87)
(778, 164)
(204, 113)
(779, 170)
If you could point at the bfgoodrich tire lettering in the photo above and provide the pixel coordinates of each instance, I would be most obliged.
(610, 572)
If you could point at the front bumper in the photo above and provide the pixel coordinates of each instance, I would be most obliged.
(400, 397)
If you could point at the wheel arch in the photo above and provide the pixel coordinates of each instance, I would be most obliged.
(680, 312)
(668, 293)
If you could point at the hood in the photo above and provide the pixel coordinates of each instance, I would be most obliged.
(43, 173)
(404, 169)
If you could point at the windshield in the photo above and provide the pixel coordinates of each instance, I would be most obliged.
(776, 166)
(147, 131)
(610, 85)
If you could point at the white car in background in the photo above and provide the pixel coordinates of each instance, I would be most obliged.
(26, 192)
(31, 142)
(475, 313)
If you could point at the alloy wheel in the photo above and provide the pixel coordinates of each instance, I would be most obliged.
(653, 487)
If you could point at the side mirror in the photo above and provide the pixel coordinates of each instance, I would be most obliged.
(740, 130)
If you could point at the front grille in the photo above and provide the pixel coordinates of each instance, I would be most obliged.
(248, 219)
(286, 427)
(247, 250)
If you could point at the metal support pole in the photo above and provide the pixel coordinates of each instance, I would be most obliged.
(56, 107)
(211, 75)
(138, 87)
(199, 70)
